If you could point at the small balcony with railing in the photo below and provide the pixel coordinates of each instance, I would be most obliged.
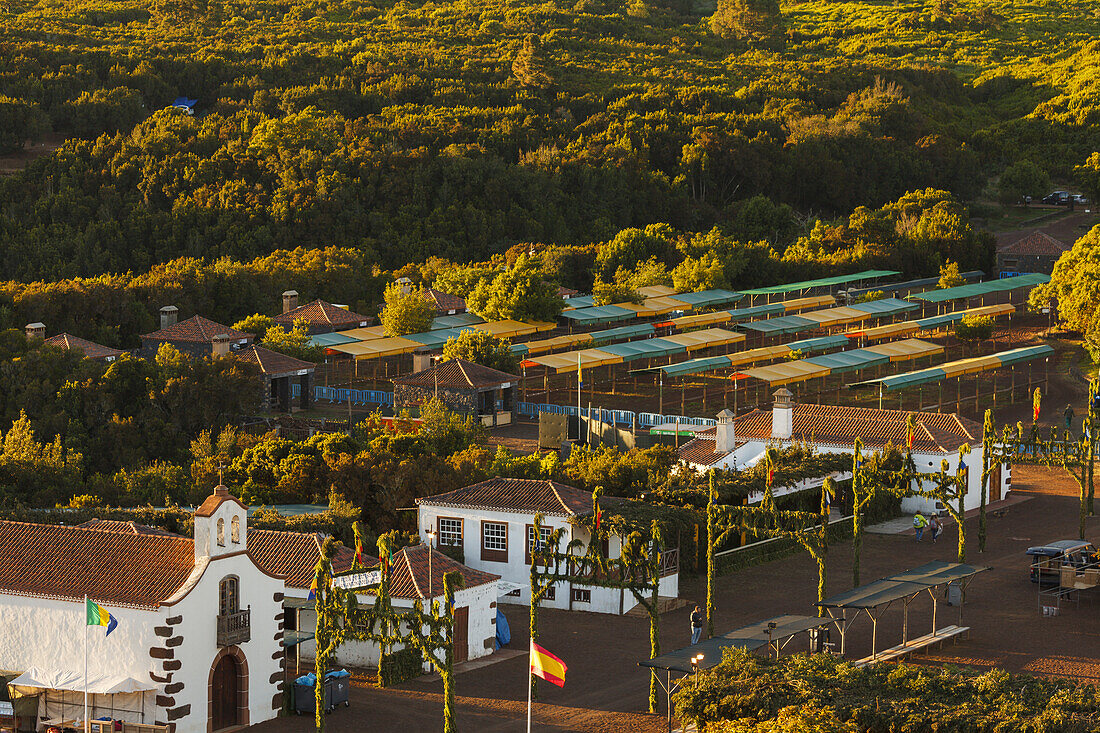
(234, 628)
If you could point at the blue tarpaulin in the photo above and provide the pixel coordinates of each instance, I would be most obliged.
(504, 634)
(184, 102)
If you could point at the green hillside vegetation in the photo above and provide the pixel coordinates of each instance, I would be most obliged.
(457, 130)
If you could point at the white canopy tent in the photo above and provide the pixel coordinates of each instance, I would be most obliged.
(110, 695)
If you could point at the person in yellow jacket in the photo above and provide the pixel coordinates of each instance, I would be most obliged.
(919, 523)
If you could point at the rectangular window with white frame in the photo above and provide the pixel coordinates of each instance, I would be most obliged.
(450, 532)
(582, 595)
(544, 540)
(494, 541)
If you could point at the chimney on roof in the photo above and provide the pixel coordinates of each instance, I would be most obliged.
(290, 300)
(36, 330)
(783, 414)
(724, 441)
(168, 315)
(221, 345)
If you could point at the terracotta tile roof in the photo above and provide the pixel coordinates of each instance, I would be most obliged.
(212, 502)
(409, 573)
(116, 525)
(564, 292)
(90, 349)
(841, 425)
(444, 302)
(525, 496)
(111, 567)
(1036, 243)
(322, 313)
(272, 362)
(700, 452)
(295, 555)
(198, 330)
(457, 374)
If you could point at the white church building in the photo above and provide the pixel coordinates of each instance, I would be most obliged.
(741, 442)
(197, 647)
(493, 524)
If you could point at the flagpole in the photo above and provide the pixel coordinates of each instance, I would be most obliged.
(529, 653)
(87, 725)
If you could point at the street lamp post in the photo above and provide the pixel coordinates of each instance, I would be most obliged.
(431, 546)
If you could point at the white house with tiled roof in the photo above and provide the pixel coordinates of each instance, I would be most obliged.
(412, 578)
(198, 642)
(740, 442)
(492, 523)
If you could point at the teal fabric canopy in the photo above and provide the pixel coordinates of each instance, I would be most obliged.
(1002, 285)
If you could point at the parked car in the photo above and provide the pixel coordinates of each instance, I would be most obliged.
(1046, 560)
(1078, 199)
(1057, 197)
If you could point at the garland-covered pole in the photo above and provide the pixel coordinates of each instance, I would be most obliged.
(828, 490)
(988, 433)
(711, 510)
(654, 611)
(322, 638)
(1091, 424)
(447, 673)
(857, 512)
(961, 485)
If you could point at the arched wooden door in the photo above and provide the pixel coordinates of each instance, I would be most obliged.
(225, 692)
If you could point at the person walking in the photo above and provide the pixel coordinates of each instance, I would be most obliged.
(919, 523)
(696, 625)
(935, 526)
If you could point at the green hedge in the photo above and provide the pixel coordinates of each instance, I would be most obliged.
(750, 694)
(399, 667)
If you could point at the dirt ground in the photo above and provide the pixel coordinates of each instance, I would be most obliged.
(606, 690)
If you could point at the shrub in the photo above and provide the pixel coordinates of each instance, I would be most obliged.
(400, 666)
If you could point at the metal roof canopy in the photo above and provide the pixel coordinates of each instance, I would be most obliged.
(906, 349)
(567, 362)
(782, 324)
(1002, 285)
(911, 284)
(741, 314)
(622, 332)
(700, 319)
(938, 573)
(704, 339)
(956, 368)
(599, 314)
(331, 339)
(693, 366)
(821, 282)
(792, 371)
(580, 301)
(813, 301)
(785, 626)
(849, 361)
(876, 597)
(656, 291)
(711, 651)
(705, 298)
(457, 320)
(885, 306)
(818, 344)
(644, 349)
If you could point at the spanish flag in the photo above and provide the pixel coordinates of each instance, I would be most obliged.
(547, 666)
(98, 616)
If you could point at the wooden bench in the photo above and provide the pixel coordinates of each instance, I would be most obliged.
(913, 645)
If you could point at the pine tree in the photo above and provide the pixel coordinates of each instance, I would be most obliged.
(750, 20)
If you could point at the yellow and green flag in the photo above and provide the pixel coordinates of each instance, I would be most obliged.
(99, 616)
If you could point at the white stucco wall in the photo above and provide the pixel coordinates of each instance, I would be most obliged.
(517, 569)
(751, 453)
(49, 634)
(199, 629)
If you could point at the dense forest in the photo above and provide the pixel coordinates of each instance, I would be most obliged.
(403, 131)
